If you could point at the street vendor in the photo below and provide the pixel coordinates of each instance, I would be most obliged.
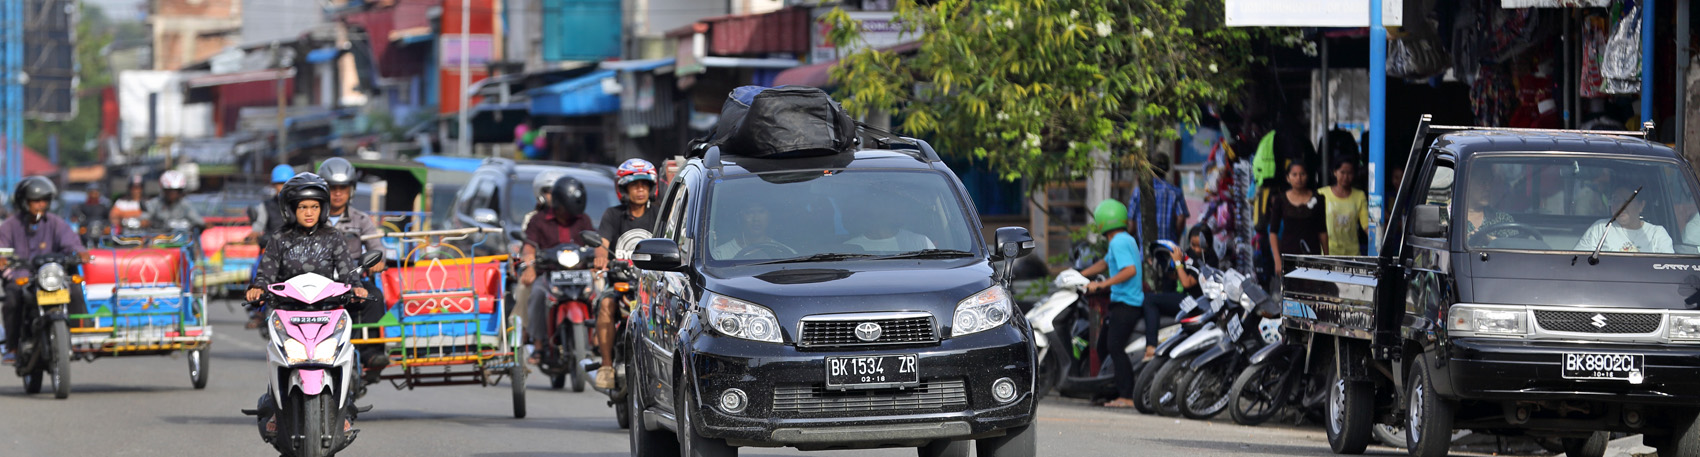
(32, 231)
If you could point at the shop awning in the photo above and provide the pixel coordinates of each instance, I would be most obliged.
(35, 164)
(581, 96)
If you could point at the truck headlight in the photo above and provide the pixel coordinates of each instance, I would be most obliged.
(1511, 321)
(741, 319)
(1684, 327)
(980, 312)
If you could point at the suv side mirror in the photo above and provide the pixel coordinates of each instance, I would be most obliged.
(1428, 221)
(486, 216)
(660, 254)
(1012, 242)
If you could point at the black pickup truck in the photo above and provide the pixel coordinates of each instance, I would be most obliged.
(1530, 282)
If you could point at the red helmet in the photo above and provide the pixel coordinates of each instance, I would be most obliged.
(634, 170)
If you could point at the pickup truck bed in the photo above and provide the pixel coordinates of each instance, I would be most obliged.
(1332, 295)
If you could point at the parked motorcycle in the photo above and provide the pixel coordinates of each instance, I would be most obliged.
(1161, 391)
(1255, 324)
(566, 326)
(310, 394)
(44, 343)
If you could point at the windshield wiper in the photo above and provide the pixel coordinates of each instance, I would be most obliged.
(928, 254)
(822, 257)
(1594, 259)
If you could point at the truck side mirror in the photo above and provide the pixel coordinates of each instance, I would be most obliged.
(660, 254)
(1012, 242)
(1428, 221)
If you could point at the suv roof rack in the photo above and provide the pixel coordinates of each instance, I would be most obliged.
(1645, 132)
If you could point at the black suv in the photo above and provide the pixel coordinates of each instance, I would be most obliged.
(837, 302)
(499, 194)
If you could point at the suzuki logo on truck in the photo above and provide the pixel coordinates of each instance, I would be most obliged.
(1599, 320)
(1676, 266)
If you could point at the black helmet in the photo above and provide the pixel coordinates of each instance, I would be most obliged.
(568, 195)
(304, 186)
(31, 189)
(338, 172)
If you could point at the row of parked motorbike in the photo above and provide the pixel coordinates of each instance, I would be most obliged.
(1225, 351)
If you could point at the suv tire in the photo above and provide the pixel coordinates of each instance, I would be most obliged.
(692, 444)
(646, 443)
(1019, 442)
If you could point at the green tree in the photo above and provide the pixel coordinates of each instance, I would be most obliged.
(1033, 87)
(94, 32)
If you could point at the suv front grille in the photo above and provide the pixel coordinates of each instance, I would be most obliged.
(841, 331)
(932, 395)
(1585, 322)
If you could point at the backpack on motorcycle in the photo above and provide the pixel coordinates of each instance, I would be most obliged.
(785, 121)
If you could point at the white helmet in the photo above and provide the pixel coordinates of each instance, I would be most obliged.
(545, 180)
(173, 180)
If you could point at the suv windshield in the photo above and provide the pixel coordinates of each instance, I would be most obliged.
(1566, 204)
(853, 212)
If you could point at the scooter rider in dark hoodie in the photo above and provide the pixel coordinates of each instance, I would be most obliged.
(304, 246)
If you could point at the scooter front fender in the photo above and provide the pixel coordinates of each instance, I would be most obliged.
(1206, 337)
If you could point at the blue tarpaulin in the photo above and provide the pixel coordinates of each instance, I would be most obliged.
(324, 54)
(437, 162)
(582, 96)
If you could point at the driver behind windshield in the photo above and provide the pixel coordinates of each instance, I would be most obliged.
(1480, 212)
(753, 221)
(1627, 233)
(32, 231)
(882, 229)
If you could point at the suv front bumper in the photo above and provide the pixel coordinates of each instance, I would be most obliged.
(789, 404)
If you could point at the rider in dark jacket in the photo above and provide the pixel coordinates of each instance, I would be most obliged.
(304, 245)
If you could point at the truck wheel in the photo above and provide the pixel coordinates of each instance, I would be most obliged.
(1350, 408)
(1428, 424)
(1684, 440)
(1592, 446)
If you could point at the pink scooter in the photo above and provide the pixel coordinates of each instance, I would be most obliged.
(314, 364)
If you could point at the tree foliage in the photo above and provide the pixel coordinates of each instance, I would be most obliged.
(1033, 87)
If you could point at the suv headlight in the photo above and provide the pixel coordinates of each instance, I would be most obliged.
(741, 319)
(51, 277)
(980, 312)
(1488, 320)
(1684, 326)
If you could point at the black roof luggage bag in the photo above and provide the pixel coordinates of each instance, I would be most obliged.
(785, 121)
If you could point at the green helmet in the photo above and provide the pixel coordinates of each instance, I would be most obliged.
(1110, 215)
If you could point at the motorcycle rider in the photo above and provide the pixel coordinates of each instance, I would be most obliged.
(341, 177)
(565, 222)
(636, 185)
(128, 207)
(29, 232)
(302, 246)
(169, 206)
(1126, 291)
(540, 187)
(93, 210)
(264, 215)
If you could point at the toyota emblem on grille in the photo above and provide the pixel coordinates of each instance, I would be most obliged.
(868, 331)
(1599, 320)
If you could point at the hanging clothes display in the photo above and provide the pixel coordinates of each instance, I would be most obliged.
(1595, 34)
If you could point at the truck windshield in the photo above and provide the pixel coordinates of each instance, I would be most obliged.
(857, 213)
(1567, 203)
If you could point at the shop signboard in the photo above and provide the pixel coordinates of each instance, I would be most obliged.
(1311, 13)
(880, 29)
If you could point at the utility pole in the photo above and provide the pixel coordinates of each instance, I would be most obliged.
(463, 140)
(282, 108)
(12, 80)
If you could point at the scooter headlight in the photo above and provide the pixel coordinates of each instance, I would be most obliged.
(51, 277)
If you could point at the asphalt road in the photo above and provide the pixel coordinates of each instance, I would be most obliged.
(146, 407)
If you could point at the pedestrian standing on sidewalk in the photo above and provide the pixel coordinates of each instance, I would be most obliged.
(1348, 210)
(1172, 212)
(1297, 223)
(1126, 291)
